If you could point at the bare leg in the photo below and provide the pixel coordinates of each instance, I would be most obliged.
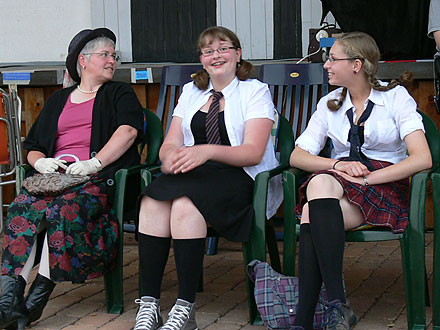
(322, 238)
(154, 217)
(326, 186)
(188, 229)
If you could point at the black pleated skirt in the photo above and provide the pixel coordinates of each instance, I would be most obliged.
(222, 194)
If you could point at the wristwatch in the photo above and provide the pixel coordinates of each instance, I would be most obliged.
(366, 181)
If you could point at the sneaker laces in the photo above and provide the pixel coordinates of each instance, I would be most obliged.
(335, 314)
(177, 317)
(147, 314)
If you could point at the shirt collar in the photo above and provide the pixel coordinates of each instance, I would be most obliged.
(227, 91)
(375, 97)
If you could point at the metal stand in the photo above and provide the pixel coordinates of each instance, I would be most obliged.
(12, 121)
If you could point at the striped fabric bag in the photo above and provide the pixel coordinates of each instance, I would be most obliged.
(276, 296)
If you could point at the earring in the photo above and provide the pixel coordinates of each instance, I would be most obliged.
(354, 71)
(84, 67)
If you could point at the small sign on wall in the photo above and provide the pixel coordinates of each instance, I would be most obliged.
(19, 78)
(141, 75)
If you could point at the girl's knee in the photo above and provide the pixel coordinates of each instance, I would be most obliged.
(183, 208)
(324, 186)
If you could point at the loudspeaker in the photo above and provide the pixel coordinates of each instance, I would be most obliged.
(315, 35)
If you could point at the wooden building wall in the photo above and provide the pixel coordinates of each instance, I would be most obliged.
(168, 30)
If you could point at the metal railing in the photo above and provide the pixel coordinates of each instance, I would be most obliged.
(12, 122)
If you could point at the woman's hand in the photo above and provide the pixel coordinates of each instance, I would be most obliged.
(353, 169)
(354, 179)
(168, 161)
(49, 165)
(188, 158)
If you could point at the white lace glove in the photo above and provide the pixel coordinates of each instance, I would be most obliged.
(49, 165)
(85, 167)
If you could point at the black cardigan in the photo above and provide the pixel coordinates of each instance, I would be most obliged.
(115, 104)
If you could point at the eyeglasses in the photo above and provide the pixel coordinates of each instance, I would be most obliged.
(222, 50)
(332, 59)
(105, 55)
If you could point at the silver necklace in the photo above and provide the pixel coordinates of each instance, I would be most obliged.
(87, 92)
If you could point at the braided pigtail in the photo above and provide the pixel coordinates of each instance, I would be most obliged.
(335, 104)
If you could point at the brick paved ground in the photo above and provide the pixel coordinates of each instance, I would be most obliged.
(373, 275)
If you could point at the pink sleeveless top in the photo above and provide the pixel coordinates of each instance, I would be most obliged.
(74, 130)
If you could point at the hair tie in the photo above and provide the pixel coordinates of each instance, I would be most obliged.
(334, 165)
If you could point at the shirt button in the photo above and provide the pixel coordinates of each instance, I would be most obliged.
(110, 182)
(93, 154)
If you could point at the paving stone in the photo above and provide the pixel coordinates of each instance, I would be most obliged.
(205, 319)
(57, 321)
(119, 325)
(97, 319)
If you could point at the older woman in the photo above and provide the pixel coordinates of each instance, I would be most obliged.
(217, 143)
(379, 141)
(98, 121)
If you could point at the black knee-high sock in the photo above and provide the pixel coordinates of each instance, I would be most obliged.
(189, 254)
(328, 235)
(153, 256)
(310, 280)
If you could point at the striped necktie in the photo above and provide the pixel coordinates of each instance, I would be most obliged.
(211, 124)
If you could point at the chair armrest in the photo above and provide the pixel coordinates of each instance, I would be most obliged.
(127, 180)
(20, 175)
(147, 175)
(256, 246)
(291, 181)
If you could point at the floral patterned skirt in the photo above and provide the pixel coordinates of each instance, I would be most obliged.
(82, 232)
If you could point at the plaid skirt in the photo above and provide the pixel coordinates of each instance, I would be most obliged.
(82, 232)
(384, 204)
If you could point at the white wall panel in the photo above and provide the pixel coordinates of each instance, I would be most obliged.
(252, 21)
(115, 15)
(243, 26)
(33, 31)
(40, 31)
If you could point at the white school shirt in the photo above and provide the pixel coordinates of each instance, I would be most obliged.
(244, 100)
(393, 117)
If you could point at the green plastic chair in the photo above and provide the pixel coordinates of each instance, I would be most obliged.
(412, 241)
(436, 276)
(127, 189)
(435, 176)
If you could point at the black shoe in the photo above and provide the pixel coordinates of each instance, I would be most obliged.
(36, 300)
(11, 301)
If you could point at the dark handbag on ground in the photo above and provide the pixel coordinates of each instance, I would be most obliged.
(276, 296)
(52, 184)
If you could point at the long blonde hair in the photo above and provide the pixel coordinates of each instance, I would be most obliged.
(361, 45)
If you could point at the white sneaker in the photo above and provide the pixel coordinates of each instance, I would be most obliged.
(181, 317)
(148, 316)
